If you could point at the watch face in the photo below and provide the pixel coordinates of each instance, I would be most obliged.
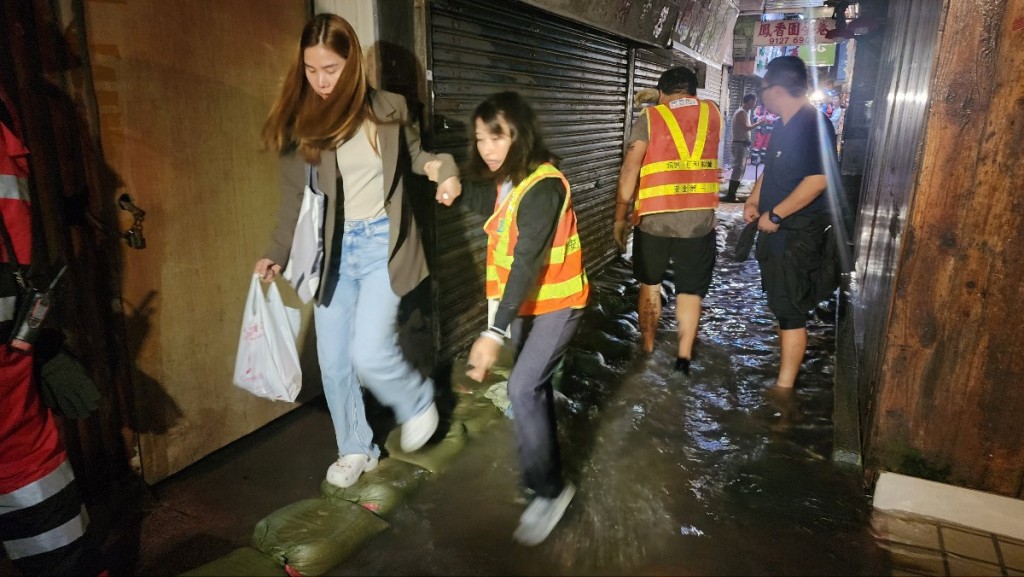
(776, 219)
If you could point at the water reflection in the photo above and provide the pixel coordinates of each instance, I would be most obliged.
(715, 473)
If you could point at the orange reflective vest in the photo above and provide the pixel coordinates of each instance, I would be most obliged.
(676, 176)
(562, 282)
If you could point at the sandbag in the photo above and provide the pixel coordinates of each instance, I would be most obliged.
(312, 536)
(498, 395)
(434, 457)
(477, 412)
(382, 489)
(240, 563)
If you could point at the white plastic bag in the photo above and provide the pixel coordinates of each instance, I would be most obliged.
(307, 254)
(267, 363)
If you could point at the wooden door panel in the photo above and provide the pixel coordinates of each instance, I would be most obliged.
(183, 89)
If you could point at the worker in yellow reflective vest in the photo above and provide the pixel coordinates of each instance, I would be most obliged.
(535, 272)
(669, 179)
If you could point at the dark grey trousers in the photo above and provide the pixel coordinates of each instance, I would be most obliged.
(540, 342)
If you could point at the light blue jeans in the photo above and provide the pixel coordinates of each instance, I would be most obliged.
(357, 341)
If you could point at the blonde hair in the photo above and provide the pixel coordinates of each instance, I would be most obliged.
(300, 119)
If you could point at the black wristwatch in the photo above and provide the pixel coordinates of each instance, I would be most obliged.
(776, 219)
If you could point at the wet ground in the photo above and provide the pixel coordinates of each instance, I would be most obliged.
(711, 474)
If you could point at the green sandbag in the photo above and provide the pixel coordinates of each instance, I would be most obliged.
(382, 489)
(476, 412)
(239, 563)
(314, 535)
(433, 457)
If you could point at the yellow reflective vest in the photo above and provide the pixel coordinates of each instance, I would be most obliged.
(562, 282)
(676, 176)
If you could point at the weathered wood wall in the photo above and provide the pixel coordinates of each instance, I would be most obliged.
(182, 90)
(946, 361)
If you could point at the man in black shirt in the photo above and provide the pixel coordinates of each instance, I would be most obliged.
(791, 212)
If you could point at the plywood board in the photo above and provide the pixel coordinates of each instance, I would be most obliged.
(183, 89)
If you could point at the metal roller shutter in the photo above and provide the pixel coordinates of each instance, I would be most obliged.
(712, 86)
(649, 64)
(576, 80)
(735, 101)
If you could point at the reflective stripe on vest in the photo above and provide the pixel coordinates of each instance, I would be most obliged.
(673, 178)
(17, 216)
(40, 496)
(14, 194)
(51, 540)
(561, 282)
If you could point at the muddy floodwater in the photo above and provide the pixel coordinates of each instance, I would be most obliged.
(711, 474)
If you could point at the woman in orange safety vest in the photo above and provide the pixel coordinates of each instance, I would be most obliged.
(535, 272)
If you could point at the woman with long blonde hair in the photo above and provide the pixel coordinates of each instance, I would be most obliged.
(357, 140)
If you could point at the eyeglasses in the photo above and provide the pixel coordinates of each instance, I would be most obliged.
(761, 89)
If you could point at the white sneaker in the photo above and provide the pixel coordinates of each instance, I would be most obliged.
(418, 430)
(346, 471)
(541, 516)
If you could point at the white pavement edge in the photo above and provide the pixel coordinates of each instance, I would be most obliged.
(966, 507)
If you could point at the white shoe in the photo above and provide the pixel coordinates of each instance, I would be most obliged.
(541, 516)
(418, 430)
(346, 471)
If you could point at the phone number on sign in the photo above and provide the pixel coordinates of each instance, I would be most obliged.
(787, 41)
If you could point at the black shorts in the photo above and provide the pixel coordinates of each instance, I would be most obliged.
(792, 277)
(780, 301)
(693, 260)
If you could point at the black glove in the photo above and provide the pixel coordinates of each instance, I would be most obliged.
(65, 387)
(745, 242)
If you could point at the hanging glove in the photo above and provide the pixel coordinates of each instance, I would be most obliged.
(745, 242)
(620, 232)
(66, 388)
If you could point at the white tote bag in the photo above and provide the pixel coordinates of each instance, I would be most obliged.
(267, 362)
(305, 261)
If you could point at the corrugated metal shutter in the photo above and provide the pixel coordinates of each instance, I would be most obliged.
(575, 78)
(735, 101)
(651, 63)
(713, 83)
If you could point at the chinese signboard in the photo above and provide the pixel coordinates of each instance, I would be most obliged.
(820, 55)
(793, 32)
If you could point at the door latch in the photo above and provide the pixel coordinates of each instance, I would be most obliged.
(133, 236)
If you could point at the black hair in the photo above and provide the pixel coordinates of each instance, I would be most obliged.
(527, 151)
(749, 98)
(678, 79)
(789, 72)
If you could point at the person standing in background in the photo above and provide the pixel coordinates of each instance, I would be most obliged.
(741, 127)
(329, 117)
